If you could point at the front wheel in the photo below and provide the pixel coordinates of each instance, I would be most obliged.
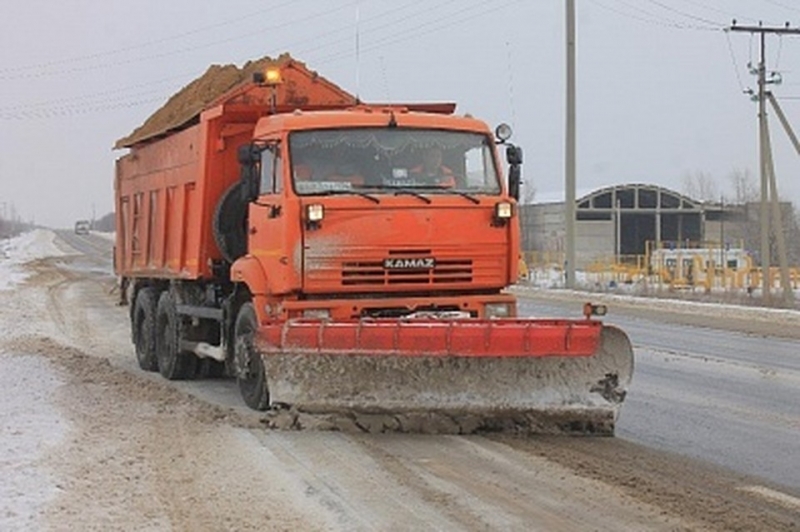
(250, 375)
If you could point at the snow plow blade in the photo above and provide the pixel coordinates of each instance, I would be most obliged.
(523, 375)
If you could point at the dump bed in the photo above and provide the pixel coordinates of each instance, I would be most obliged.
(166, 193)
(184, 157)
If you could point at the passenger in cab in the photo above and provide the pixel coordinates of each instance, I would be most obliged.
(432, 171)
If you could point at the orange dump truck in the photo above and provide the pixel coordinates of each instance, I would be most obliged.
(334, 255)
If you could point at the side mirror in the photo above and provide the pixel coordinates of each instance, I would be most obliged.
(514, 159)
(514, 180)
(248, 154)
(513, 154)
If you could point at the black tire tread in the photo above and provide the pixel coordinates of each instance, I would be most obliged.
(254, 389)
(173, 364)
(144, 328)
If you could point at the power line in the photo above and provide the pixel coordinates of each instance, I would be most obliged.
(393, 23)
(315, 38)
(781, 4)
(67, 107)
(653, 19)
(690, 16)
(177, 51)
(119, 91)
(406, 35)
(145, 44)
(735, 64)
(729, 14)
(58, 112)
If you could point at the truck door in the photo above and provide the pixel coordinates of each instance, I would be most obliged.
(269, 222)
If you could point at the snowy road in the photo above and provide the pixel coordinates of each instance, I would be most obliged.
(89, 442)
(722, 396)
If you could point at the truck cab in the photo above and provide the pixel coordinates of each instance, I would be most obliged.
(377, 212)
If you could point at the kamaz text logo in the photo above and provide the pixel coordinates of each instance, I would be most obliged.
(421, 263)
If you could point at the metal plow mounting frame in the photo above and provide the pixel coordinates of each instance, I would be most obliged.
(544, 376)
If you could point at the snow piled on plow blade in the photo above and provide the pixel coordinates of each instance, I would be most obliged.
(452, 394)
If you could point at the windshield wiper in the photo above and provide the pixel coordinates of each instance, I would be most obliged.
(409, 189)
(405, 189)
(335, 192)
(470, 197)
(399, 191)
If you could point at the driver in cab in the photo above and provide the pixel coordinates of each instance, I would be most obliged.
(432, 170)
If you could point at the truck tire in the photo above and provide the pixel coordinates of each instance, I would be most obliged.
(230, 223)
(250, 374)
(144, 328)
(210, 369)
(173, 364)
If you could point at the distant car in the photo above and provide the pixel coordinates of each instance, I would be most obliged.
(82, 227)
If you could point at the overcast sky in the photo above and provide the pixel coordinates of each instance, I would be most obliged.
(659, 83)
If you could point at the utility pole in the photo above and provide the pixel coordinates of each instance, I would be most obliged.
(723, 259)
(618, 236)
(766, 167)
(569, 200)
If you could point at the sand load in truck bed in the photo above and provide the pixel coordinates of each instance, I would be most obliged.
(184, 107)
(532, 376)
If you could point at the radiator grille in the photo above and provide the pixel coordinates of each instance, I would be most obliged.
(372, 273)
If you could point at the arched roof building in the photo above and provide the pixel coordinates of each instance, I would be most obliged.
(620, 220)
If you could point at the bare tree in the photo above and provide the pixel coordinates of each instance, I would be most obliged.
(745, 188)
(528, 193)
(793, 237)
(746, 197)
(700, 186)
(791, 232)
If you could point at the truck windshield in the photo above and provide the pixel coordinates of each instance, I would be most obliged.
(386, 160)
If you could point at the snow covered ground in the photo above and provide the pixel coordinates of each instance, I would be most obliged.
(108, 236)
(30, 424)
(544, 282)
(87, 442)
(15, 252)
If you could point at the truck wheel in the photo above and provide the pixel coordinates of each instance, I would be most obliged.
(173, 364)
(210, 369)
(144, 328)
(249, 367)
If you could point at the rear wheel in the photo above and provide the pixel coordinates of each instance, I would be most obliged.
(144, 328)
(250, 374)
(173, 364)
(208, 368)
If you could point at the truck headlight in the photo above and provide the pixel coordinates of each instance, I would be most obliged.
(503, 210)
(497, 310)
(315, 212)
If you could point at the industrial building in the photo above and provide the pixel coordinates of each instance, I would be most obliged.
(620, 220)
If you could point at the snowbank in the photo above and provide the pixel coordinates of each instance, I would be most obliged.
(550, 283)
(112, 236)
(17, 251)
